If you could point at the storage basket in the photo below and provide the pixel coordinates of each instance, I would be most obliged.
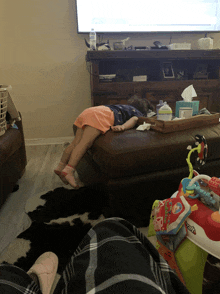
(3, 109)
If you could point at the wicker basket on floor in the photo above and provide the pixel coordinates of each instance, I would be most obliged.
(3, 109)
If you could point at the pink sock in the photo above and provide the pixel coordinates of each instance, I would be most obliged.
(68, 169)
(68, 173)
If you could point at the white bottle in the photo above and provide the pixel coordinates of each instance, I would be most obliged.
(159, 105)
(92, 40)
(165, 112)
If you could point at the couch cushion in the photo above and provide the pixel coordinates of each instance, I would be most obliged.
(9, 143)
(134, 152)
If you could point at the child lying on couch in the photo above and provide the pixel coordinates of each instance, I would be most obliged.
(93, 122)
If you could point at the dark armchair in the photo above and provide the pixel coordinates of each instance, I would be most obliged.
(12, 159)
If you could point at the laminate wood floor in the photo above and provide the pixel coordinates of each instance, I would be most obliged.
(38, 178)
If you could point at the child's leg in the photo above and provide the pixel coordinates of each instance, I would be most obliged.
(66, 155)
(67, 152)
(88, 137)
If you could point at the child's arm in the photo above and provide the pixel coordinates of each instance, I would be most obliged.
(126, 126)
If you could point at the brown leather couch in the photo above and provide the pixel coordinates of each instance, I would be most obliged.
(12, 159)
(138, 167)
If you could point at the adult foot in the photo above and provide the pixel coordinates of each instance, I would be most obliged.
(45, 268)
(68, 173)
(34, 277)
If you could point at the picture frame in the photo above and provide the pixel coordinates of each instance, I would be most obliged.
(167, 70)
(201, 71)
(181, 74)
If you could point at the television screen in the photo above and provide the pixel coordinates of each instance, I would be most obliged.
(148, 16)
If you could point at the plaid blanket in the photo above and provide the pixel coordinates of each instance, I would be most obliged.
(113, 257)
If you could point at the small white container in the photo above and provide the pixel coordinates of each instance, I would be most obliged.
(159, 106)
(165, 112)
(92, 39)
(179, 46)
(205, 43)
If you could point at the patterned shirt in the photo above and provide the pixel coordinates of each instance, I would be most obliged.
(123, 113)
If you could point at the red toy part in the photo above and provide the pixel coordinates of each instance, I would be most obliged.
(201, 153)
(171, 214)
(203, 217)
(214, 185)
(202, 149)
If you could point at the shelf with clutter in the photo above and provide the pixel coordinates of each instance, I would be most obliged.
(118, 74)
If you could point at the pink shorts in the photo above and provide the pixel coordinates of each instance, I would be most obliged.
(99, 117)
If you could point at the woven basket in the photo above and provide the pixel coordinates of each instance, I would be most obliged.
(3, 109)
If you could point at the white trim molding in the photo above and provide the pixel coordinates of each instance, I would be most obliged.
(48, 141)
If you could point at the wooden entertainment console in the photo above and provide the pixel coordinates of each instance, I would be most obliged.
(200, 68)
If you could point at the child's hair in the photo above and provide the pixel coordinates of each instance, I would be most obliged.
(141, 104)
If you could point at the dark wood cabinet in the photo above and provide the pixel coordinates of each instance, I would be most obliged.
(200, 68)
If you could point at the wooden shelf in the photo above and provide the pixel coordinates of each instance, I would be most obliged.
(158, 85)
(153, 54)
(112, 62)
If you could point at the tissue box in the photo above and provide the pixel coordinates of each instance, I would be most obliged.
(193, 104)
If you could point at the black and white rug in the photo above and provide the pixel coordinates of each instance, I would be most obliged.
(58, 225)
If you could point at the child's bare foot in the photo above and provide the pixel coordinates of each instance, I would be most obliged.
(68, 173)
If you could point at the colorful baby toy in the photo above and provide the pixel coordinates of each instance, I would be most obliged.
(187, 225)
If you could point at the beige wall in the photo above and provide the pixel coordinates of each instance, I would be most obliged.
(43, 58)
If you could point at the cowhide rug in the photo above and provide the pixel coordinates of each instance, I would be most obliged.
(60, 220)
(58, 225)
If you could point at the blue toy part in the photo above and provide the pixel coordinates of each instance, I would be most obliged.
(193, 189)
(203, 194)
(185, 183)
(206, 196)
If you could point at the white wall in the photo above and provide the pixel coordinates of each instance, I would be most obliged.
(43, 58)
